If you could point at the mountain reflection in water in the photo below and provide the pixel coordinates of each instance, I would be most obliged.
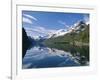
(44, 57)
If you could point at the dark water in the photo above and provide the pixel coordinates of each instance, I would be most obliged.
(45, 57)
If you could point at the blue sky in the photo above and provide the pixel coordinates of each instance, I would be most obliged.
(37, 23)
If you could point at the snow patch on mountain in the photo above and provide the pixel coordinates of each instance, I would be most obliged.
(77, 27)
(59, 32)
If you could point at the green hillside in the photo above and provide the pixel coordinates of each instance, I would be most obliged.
(72, 42)
(73, 38)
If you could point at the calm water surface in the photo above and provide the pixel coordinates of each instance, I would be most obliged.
(45, 57)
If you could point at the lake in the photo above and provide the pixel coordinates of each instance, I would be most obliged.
(46, 57)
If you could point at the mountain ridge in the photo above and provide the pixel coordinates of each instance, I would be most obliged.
(79, 35)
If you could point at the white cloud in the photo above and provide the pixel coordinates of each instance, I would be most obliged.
(86, 18)
(29, 16)
(38, 31)
(63, 23)
(43, 30)
(26, 20)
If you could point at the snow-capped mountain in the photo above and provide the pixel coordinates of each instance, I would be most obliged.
(59, 32)
(81, 26)
(77, 27)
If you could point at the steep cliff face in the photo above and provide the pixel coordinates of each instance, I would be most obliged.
(25, 42)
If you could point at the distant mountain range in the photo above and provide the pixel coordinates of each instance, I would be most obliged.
(77, 34)
(77, 27)
(80, 31)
